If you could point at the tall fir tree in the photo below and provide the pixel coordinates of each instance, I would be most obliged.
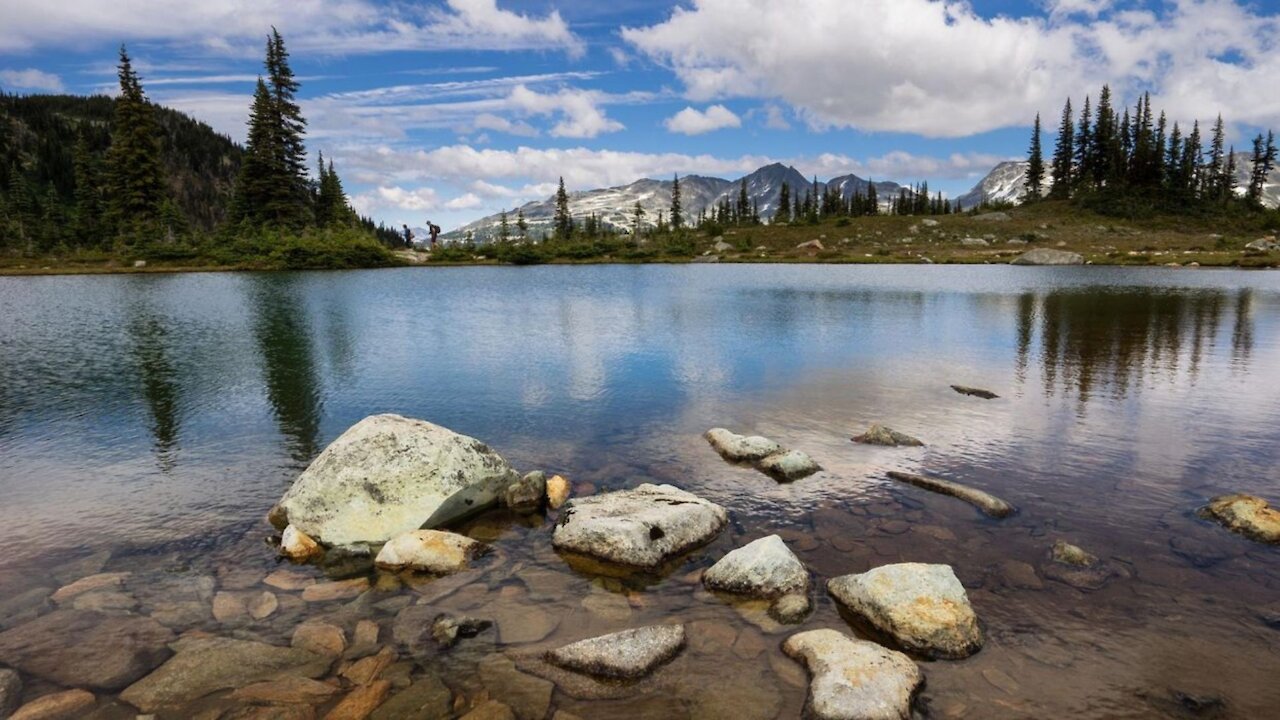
(522, 226)
(1035, 168)
(677, 211)
(1063, 156)
(504, 228)
(1263, 162)
(1084, 171)
(289, 123)
(88, 214)
(135, 181)
(1215, 181)
(783, 213)
(563, 219)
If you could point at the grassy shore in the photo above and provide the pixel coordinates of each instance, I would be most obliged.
(1217, 241)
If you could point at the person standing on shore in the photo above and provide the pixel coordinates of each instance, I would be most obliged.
(435, 233)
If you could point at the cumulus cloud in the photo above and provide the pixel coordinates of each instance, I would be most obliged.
(489, 121)
(30, 79)
(468, 201)
(579, 110)
(327, 26)
(775, 118)
(693, 122)
(939, 69)
(395, 197)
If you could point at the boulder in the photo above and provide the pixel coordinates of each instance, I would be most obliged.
(80, 648)
(706, 259)
(975, 392)
(433, 551)
(722, 247)
(854, 679)
(1262, 245)
(740, 448)
(298, 546)
(10, 691)
(993, 217)
(812, 245)
(387, 475)
(207, 664)
(492, 709)
(986, 502)
(529, 697)
(622, 655)
(65, 705)
(639, 528)
(880, 435)
(930, 222)
(320, 638)
(788, 466)
(92, 583)
(1077, 567)
(1048, 256)
(427, 697)
(1248, 515)
(286, 691)
(764, 568)
(974, 242)
(361, 701)
(447, 630)
(558, 490)
(923, 607)
(525, 495)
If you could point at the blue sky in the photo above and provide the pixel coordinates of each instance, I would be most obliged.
(455, 109)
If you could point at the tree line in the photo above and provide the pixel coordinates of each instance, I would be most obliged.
(1135, 160)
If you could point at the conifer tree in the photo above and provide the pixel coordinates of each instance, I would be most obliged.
(289, 123)
(1106, 141)
(504, 228)
(522, 227)
(1228, 183)
(135, 183)
(637, 217)
(1035, 166)
(1084, 171)
(1063, 156)
(873, 202)
(783, 213)
(677, 212)
(1193, 162)
(743, 211)
(1215, 172)
(88, 186)
(1264, 161)
(1173, 177)
(563, 220)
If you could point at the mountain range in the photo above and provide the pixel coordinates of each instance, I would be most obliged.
(615, 206)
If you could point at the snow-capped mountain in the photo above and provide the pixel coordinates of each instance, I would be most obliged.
(615, 207)
(1007, 183)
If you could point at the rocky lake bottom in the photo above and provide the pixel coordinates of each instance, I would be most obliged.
(1127, 401)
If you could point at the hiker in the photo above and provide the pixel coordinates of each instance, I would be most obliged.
(408, 237)
(435, 232)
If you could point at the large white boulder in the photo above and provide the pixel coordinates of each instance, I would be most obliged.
(854, 679)
(924, 607)
(432, 551)
(639, 528)
(387, 475)
(764, 568)
(622, 655)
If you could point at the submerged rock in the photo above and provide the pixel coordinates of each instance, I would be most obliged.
(789, 466)
(923, 607)
(433, 551)
(298, 546)
(764, 568)
(525, 495)
(741, 448)
(1248, 515)
(1048, 256)
(880, 435)
(389, 474)
(427, 697)
(558, 490)
(622, 655)
(639, 528)
(92, 583)
(986, 502)
(80, 648)
(64, 705)
(10, 691)
(447, 630)
(1077, 567)
(854, 679)
(529, 697)
(975, 392)
(206, 665)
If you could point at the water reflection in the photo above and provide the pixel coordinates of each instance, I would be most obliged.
(291, 378)
(150, 339)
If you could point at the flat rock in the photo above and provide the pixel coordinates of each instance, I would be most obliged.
(1048, 256)
(80, 648)
(764, 568)
(622, 655)
(433, 551)
(388, 475)
(788, 466)
(262, 605)
(558, 490)
(447, 629)
(975, 392)
(492, 709)
(740, 448)
(229, 607)
(66, 705)
(206, 665)
(289, 579)
(880, 435)
(529, 697)
(854, 679)
(1248, 515)
(335, 590)
(287, 691)
(320, 638)
(638, 528)
(923, 607)
(298, 545)
(101, 581)
(105, 601)
(1077, 567)
(10, 691)
(984, 501)
(361, 701)
(427, 697)
(525, 495)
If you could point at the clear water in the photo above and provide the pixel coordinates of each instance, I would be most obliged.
(148, 422)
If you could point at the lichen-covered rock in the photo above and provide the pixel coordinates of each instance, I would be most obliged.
(622, 655)
(433, 551)
(764, 568)
(298, 546)
(387, 475)
(639, 528)
(788, 466)
(1048, 256)
(1248, 515)
(80, 648)
(741, 448)
(1077, 567)
(854, 679)
(923, 607)
(984, 501)
(525, 495)
(880, 435)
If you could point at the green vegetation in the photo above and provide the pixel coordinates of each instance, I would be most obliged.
(104, 183)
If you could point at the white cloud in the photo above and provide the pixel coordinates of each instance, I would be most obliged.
(693, 122)
(1090, 8)
(323, 26)
(395, 197)
(579, 109)
(30, 79)
(469, 201)
(489, 121)
(941, 70)
(775, 118)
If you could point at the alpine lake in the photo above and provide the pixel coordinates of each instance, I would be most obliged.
(148, 423)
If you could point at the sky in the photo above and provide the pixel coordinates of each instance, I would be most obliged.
(455, 109)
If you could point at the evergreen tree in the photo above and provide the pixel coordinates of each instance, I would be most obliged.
(522, 227)
(1173, 170)
(563, 220)
(1193, 162)
(1215, 180)
(743, 211)
(504, 228)
(677, 212)
(1264, 161)
(637, 218)
(1035, 166)
(1106, 141)
(135, 183)
(1228, 182)
(1084, 171)
(88, 186)
(1063, 156)
(289, 123)
(783, 213)
(873, 202)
